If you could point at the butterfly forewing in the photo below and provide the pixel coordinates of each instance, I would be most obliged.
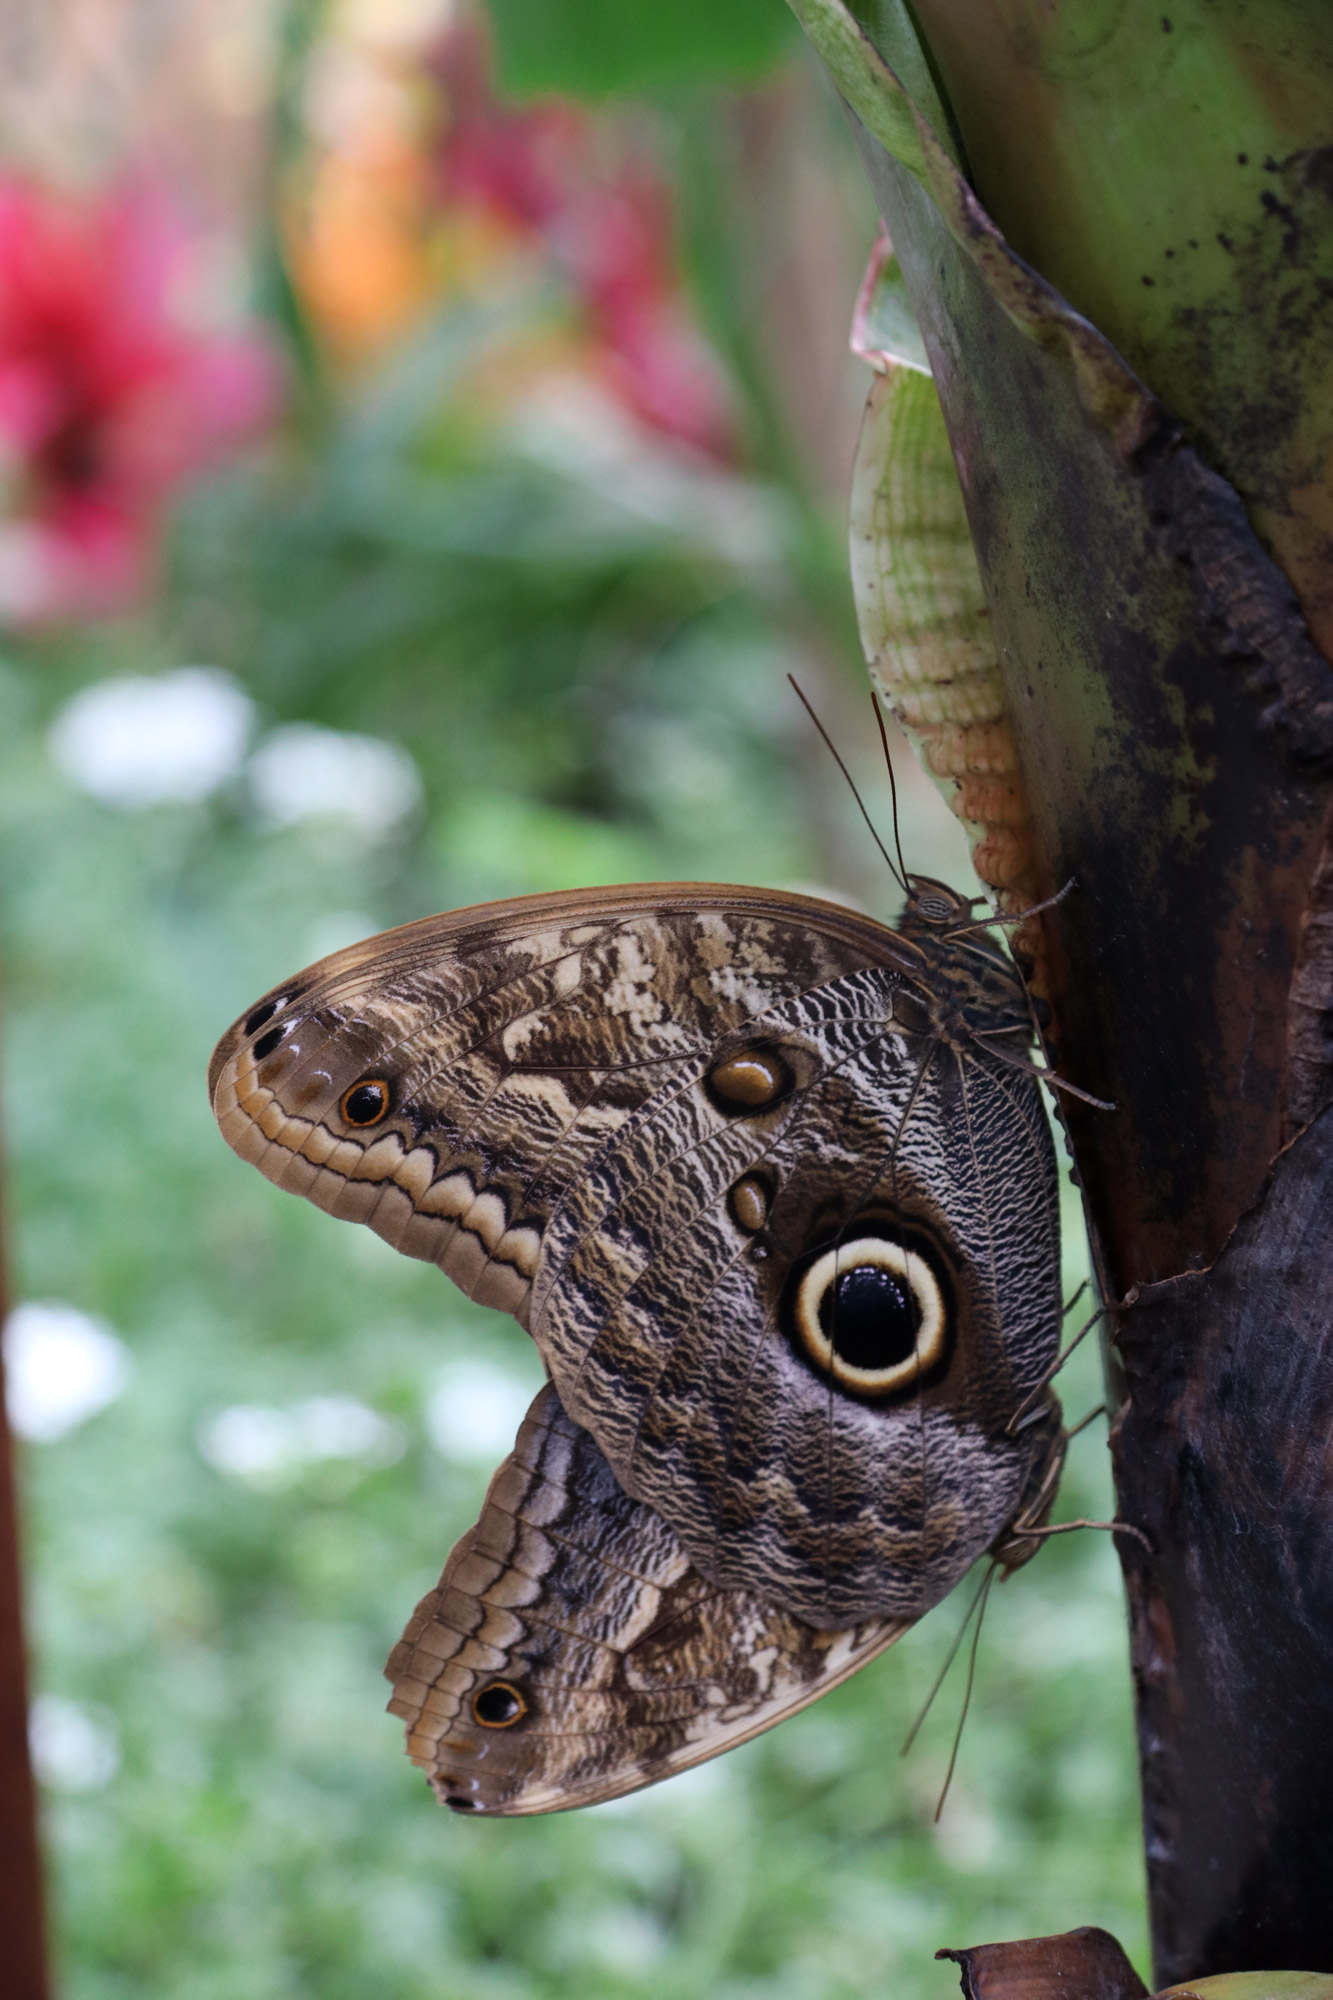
(514, 1039)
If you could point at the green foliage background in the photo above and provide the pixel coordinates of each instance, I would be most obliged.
(592, 695)
(598, 46)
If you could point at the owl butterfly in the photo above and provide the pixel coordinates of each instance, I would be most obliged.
(772, 1189)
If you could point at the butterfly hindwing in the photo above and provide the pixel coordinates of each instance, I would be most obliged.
(671, 1330)
(571, 1652)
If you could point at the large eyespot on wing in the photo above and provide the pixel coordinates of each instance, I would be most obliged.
(873, 1314)
(570, 1652)
(447, 1082)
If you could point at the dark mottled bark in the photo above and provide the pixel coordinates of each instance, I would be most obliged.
(1225, 1448)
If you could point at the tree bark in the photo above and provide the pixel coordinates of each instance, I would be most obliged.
(1223, 1451)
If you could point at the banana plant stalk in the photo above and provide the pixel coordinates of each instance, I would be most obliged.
(1092, 546)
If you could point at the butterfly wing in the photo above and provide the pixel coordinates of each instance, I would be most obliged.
(783, 1228)
(571, 1653)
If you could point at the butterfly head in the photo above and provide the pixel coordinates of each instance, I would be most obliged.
(933, 909)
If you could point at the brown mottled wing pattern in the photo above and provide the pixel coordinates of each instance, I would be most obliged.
(609, 1662)
(554, 1138)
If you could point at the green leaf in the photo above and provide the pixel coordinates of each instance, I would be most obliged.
(865, 80)
(592, 48)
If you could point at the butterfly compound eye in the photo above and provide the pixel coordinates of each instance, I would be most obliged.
(365, 1103)
(752, 1080)
(498, 1706)
(872, 1315)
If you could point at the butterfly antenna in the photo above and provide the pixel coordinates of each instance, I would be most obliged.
(1074, 1298)
(967, 1693)
(832, 749)
(949, 1659)
(893, 783)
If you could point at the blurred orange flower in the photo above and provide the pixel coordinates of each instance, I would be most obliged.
(108, 399)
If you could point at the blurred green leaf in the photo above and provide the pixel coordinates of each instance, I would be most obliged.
(592, 48)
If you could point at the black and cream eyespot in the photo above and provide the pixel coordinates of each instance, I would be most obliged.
(264, 1012)
(873, 1315)
(254, 1022)
(366, 1102)
(498, 1705)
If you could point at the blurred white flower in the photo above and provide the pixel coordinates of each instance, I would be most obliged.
(61, 1367)
(264, 1444)
(72, 1750)
(475, 1410)
(154, 740)
(302, 771)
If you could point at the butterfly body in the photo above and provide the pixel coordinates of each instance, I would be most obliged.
(768, 1183)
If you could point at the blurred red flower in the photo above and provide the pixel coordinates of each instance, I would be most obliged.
(107, 397)
(604, 215)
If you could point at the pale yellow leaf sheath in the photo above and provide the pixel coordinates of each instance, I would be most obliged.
(920, 606)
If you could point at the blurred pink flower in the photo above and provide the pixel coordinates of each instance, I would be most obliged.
(606, 223)
(107, 398)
